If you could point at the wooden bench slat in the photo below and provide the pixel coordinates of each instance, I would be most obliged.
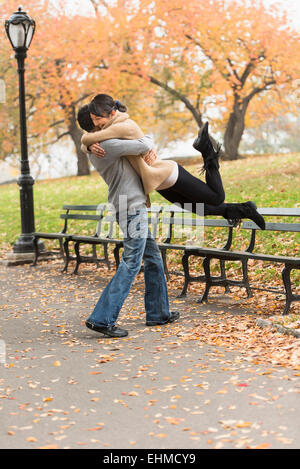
(197, 222)
(241, 254)
(292, 227)
(95, 239)
(73, 216)
(277, 211)
(84, 207)
(271, 211)
(183, 221)
(218, 223)
(163, 245)
(51, 235)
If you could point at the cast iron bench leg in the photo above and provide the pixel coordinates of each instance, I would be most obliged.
(185, 264)
(223, 275)
(67, 255)
(106, 256)
(286, 277)
(95, 255)
(206, 266)
(78, 258)
(246, 278)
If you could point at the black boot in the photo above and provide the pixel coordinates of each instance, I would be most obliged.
(200, 142)
(235, 212)
(203, 144)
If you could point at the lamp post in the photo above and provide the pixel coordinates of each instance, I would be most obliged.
(20, 29)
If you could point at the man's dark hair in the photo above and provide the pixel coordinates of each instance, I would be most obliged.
(84, 119)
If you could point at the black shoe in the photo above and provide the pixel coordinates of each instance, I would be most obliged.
(200, 142)
(205, 146)
(235, 212)
(174, 315)
(109, 331)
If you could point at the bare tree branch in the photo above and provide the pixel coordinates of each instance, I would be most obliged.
(197, 115)
(233, 69)
(208, 55)
(51, 142)
(258, 90)
(82, 98)
(248, 69)
(57, 123)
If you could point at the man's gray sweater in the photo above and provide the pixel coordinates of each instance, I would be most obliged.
(124, 184)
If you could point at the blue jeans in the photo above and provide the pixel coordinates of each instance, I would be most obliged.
(138, 245)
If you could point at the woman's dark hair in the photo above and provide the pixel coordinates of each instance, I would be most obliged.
(102, 105)
(84, 119)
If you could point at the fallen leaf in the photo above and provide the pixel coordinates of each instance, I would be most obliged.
(49, 447)
(243, 424)
(263, 446)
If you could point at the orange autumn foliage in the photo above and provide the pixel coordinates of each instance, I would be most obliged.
(173, 64)
(215, 56)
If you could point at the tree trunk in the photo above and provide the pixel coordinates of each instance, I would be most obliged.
(235, 128)
(83, 167)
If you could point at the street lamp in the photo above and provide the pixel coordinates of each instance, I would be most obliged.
(20, 29)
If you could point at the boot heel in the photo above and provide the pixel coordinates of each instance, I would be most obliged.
(199, 142)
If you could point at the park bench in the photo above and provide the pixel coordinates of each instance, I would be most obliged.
(106, 233)
(176, 217)
(71, 212)
(226, 253)
(165, 221)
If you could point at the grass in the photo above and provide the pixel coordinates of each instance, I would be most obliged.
(268, 180)
(49, 197)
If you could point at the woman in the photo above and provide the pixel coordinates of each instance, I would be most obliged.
(170, 179)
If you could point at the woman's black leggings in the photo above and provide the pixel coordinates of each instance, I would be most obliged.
(190, 190)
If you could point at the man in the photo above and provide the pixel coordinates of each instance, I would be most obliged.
(126, 194)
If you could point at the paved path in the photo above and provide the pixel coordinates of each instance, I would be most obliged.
(63, 386)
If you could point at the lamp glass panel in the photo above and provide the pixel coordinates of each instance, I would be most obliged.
(17, 35)
(30, 30)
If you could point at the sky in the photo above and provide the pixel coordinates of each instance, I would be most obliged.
(185, 148)
(291, 6)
